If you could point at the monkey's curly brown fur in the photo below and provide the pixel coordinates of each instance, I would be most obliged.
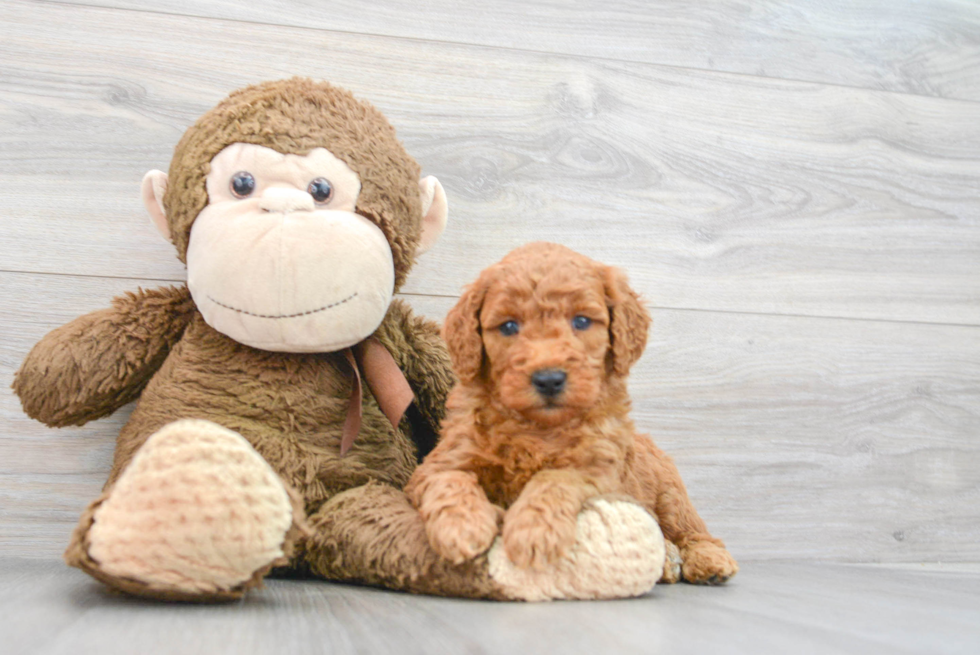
(509, 444)
(155, 347)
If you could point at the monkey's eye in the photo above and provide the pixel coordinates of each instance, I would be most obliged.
(320, 189)
(509, 329)
(581, 322)
(242, 184)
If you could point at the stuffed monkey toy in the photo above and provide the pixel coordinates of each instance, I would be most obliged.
(283, 396)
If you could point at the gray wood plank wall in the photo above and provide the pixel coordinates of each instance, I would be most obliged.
(794, 187)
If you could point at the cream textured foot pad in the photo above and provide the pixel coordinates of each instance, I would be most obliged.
(618, 553)
(197, 510)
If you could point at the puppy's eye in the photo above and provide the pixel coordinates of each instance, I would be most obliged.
(581, 322)
(509, 329)
(242, 184)
(320, 189)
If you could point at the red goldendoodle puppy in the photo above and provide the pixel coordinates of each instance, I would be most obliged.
(542, 343)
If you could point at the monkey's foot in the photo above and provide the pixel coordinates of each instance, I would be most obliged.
(197, 515)
(619, 552)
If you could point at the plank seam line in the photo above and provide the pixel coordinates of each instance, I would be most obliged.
(651, 307)
(597, 58)
(90, 276)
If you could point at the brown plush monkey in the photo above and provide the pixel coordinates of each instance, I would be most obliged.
(254, 444)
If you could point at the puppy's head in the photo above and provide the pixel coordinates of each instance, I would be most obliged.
(544, 330)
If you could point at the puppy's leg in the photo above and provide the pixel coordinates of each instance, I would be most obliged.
(460, 521)
(539, 527)
(658, 485)
(704, 557)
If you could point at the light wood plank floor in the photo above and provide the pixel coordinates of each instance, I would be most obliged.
(926, 47)
(794, 187)
(772, 608)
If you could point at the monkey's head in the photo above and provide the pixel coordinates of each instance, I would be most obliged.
(298, 214)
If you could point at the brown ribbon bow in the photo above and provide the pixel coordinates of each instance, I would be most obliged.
(387, 384)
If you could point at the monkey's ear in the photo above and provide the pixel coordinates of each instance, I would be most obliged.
(435, 212)
(154, 186)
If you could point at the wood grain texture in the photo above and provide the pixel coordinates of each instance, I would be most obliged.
(797, 437)
(929, 47)
(811, 252)
(767, 609)
(716, 192)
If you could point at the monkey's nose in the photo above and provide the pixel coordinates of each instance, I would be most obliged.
(549, 382)
(277, 199)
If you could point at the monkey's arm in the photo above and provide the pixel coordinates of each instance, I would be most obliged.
(422, 356)
(94, 365)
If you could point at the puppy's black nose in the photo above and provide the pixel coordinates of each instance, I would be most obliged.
(549, 382)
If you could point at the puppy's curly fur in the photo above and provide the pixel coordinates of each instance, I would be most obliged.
(542, 343)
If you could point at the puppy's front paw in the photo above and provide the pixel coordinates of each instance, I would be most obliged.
(462, 532)
(534, 540)
(707, 563)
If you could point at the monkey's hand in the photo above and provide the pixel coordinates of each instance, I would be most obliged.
(94, 365)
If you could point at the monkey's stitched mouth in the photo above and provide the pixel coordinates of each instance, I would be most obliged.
(306, 313)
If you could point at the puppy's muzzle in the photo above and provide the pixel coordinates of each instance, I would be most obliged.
(549, 382)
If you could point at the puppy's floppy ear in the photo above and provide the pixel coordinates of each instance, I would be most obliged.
(629, 322)
(462, 331)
